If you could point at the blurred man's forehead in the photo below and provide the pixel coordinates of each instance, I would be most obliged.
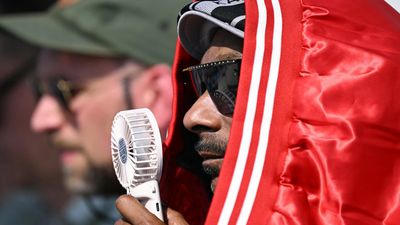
(73, 66)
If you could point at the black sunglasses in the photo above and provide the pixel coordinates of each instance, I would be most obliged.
(220, 79)
(59, 88)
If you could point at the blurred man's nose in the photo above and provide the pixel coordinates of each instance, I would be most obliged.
(48, 115)
(203, 116)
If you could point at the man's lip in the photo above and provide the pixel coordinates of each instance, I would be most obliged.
(209, 155)
(67, 155)
(212, 166)
(67, 150)
(212, 161)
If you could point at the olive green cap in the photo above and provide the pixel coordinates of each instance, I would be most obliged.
(144, 30)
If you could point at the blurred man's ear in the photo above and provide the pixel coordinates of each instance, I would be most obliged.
(153, 90)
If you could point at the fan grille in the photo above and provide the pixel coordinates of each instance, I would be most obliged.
(136, 147)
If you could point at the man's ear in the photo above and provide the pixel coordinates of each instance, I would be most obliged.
(153, 90)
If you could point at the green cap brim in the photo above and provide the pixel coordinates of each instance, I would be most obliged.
(48, 32)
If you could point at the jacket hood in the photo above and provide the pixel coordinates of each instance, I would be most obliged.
(318, 101)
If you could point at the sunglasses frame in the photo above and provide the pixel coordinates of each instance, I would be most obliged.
(224, 99)
(59, 88)
(211, 64)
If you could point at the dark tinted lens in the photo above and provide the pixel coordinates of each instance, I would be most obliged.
(61, 90)
(198, 81)
(221, 82)
(37, 88)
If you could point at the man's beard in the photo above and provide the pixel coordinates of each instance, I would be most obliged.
(95, 180)
(87, 178)
(211, 144)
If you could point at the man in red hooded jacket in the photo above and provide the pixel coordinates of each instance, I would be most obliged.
(214, 81)
(314, 136)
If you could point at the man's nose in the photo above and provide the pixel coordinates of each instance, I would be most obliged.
(203, 116)
(47, 116)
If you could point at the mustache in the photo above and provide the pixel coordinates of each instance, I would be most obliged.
(59, 143)
(211, 144)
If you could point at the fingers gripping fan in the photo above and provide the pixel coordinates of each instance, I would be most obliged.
(136, 150)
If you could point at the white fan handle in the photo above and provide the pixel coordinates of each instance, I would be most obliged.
(148, 194)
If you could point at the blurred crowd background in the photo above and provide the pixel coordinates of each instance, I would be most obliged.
(30, 177)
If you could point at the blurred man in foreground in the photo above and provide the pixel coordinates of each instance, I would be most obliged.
(99, 57)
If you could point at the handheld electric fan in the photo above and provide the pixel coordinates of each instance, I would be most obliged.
(136, 149)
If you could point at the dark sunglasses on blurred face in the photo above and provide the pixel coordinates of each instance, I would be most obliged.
(220, 79)
(59, 88)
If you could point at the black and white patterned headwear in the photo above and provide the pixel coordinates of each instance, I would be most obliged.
(198, 22)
